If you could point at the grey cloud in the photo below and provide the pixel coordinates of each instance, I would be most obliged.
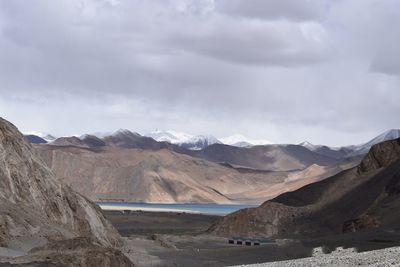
(192, 66)
(299, 10)
(257, 43)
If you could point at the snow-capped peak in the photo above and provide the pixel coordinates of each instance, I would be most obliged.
(194, 142)
(46, 136)
(169, 136)
(124, 132)
(388, 135)
(242, 141)
(198, 142)
(309, 145)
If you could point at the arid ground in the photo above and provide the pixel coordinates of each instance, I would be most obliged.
(181, 239)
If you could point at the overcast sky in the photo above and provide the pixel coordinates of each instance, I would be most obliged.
(282, 70)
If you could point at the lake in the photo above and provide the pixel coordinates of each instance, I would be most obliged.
(215, 209)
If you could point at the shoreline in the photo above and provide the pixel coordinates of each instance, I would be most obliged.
(100, 202)
(146, 209)
(205, 209)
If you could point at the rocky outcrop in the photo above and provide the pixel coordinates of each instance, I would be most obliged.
(34, 205)
(357, 199)
(381, 155)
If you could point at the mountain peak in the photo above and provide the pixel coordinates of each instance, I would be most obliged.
(392, 134)
(124, 132)
(307, 145)
(242, 141)
(170, 136)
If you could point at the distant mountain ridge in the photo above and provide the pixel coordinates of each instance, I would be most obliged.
(242, 141)
(188, 141)
(265, 158)
(176, 140)
(352, 150)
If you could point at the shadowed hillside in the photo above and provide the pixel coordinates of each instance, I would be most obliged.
(357, 199)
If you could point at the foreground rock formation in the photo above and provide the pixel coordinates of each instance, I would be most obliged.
(361, 198)
(42, 219)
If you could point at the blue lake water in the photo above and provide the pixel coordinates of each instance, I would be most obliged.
(216, 209)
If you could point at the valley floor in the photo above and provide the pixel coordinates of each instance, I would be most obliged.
(180, 239)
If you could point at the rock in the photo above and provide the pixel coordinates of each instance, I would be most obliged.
(34, 204)
(381, 155)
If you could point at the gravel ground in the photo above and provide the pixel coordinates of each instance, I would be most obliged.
(343, 257)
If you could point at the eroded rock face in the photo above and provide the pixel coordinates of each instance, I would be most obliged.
(381, 155)
(35, 205)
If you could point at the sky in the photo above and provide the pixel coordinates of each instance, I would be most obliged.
(282, 70)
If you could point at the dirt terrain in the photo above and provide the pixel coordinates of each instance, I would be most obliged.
(173, 239)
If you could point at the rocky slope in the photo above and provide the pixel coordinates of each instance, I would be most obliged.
(165, 176)
(357, 199)
(36, 209)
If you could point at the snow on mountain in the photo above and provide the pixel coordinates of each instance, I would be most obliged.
(169, 136)
(242, 141)
(46, 136)
(193, 142)
(313, 147)
(198, 142)
(124, 132)
(353, 150)
(309, 146)
(364, 148)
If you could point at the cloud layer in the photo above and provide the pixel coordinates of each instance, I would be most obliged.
(325, 71)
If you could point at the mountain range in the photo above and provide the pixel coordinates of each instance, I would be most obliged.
(138, 175)
(199, 142)
(128, 166)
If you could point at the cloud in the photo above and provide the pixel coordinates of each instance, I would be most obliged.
(325, 71)
(299, 10)
(256, 42)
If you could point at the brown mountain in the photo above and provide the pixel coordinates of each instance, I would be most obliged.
(268, 157)
(361, 198)
(38, 211)
(69, 141)
(162, 175)
(88, 141)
